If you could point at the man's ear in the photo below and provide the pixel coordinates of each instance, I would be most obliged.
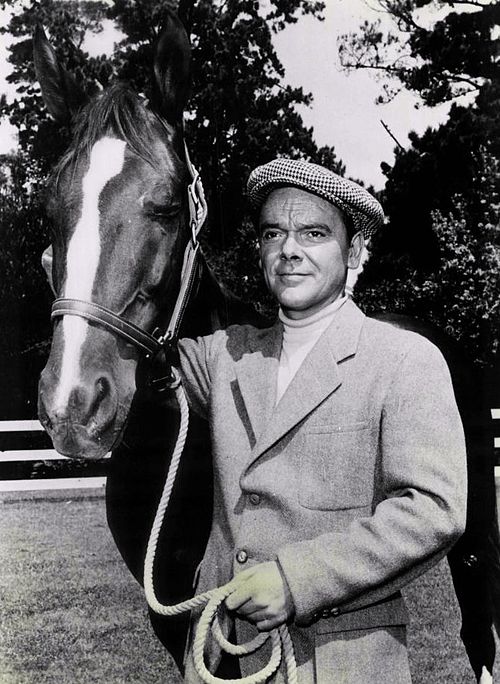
(47, 260)
(356, 250)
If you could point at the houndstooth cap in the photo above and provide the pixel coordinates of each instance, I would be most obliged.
(348, 196)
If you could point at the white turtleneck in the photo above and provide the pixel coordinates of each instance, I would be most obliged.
(299, 337)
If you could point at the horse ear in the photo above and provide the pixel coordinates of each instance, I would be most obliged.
(172, 60)
(61, 93)
(185, 13)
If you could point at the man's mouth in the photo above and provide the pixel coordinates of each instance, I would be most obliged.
(292, 277)
(290, 273)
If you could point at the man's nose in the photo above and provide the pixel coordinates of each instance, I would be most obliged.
(290, 249)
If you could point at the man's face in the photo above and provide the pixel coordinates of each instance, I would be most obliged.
(304, 250)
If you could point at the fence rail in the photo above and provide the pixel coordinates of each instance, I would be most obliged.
(38, 462)
(495, 414)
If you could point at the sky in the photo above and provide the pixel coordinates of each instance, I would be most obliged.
(343, 114)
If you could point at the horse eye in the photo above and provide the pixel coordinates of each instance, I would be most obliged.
(158, 211)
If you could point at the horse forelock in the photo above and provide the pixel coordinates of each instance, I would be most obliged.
(121, 113)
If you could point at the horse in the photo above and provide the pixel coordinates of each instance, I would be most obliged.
(119, 204)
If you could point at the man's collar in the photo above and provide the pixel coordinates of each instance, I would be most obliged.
(325, 312)
(315, 380)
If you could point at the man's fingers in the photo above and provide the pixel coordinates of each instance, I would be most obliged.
(255, 613)
(261, 596)
(267, 624)
(237, 599)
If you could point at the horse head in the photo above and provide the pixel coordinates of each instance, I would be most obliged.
(118, 205)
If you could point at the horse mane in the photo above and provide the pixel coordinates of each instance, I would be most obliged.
(121, 113)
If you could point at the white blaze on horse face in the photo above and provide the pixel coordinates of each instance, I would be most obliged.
(106, 161)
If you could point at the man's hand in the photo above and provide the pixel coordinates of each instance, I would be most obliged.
(261, 596)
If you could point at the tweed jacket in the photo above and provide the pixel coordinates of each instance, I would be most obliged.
(355, 482)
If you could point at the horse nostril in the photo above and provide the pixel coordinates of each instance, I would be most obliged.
(103, 407)
(103, 387)
(103, 396)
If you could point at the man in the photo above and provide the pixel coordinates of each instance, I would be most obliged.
(339, 457)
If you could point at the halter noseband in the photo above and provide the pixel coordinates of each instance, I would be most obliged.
(151, 344)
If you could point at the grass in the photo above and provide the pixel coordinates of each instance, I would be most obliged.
(70, 611)
(72, 614)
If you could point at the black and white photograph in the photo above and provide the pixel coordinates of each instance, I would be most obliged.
(249, 350)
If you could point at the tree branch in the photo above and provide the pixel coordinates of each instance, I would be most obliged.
(460, 78)
(377, 67)
(388, 130)
(392, 8)
(473, 3)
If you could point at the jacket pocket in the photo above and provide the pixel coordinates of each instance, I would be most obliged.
(337, 466)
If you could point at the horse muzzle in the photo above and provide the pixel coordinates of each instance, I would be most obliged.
(81, 420)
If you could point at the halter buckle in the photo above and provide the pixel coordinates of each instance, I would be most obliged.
(167, 382)
(168, 376)
(163, 339)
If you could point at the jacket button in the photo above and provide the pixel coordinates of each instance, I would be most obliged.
(254, 499)
(242, 556)
(334, 612)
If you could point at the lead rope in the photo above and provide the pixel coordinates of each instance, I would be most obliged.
(281, 643)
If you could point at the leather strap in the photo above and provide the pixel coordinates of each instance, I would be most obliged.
(109, 320)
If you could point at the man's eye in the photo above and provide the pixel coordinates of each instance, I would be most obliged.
(316, 234)
(270, 235)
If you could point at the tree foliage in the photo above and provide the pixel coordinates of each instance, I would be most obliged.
(455, 56)
(461, 295)
(435, 186)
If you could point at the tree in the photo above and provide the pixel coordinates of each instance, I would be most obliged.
(24, 294)
(452, 58)
(462, 294)
(438, 179)
(40, 137)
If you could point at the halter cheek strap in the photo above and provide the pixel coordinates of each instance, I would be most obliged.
(197, 218)
(147, 343)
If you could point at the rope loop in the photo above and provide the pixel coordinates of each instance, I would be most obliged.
(281, 643)
(238, 649)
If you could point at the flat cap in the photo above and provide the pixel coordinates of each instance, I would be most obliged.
(364, 210)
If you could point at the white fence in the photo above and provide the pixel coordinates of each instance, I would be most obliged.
(495, 414)
(11, 457)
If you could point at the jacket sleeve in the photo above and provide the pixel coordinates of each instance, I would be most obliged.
(423, 473)
(195, 358)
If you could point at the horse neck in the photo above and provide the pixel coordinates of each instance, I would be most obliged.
(213, 307)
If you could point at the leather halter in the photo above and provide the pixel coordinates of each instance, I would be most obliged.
(151, 344)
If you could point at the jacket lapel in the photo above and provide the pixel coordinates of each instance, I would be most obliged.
(256, 372)
(317, 378)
